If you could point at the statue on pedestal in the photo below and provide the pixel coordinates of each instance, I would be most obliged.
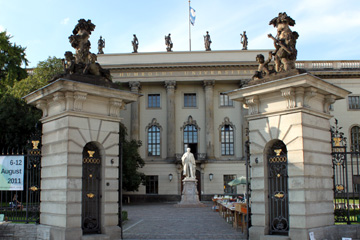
(244, 40)
(168, 43)
(189, 165)
(101, 45)
(135, 44)
(207, 41)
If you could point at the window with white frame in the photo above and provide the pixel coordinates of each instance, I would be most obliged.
(225, 101)
(227, 140)
(355, 139)
(354, 102)
(154, 101)
(190, 100)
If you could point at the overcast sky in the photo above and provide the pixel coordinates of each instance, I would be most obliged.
(328, 29)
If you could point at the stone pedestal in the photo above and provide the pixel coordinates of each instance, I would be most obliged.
(190, 196)
(75, 114)
(293, 110)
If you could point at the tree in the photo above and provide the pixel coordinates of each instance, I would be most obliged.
(12, 57)
(40, 76)
(18, 119)
(132, 161)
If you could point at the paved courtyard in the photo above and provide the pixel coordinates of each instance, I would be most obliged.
(165, 221)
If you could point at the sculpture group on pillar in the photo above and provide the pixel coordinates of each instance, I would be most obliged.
(189, 165)
(285, 49)
(83, 62)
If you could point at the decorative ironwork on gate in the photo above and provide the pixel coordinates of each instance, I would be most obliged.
(278, 189)
(24, 205)
(346, 177)
(91, 189)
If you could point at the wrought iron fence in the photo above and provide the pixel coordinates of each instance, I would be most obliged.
(22, 205)
(346, 178)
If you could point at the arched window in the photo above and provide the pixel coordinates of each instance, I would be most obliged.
(190, 135)
(355, 139)
(227, 140)
(227, 137)
(153, 138)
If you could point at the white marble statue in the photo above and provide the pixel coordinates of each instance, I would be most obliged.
(188, 162)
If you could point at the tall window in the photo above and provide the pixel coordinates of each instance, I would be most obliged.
(355, 139)
(190, 135)
(354, 102)
(190, 100)
(227, 140)
(154, 101)
(154, 141)
(152, 184)
(225, 101)
(227, 188)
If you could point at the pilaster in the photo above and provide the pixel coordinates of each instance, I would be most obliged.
(170, 114)
(209, 117)
(134, 130)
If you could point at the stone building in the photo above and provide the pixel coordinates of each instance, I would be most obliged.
(183, 105)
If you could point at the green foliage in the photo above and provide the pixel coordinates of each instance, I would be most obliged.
(43, 72)
(132, 161)
(18, 120)
(11, 58)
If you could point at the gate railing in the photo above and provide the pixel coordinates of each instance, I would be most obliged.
(23, 205)
(346, 178)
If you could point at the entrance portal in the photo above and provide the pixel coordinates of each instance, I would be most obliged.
(91, 189)
(278, 189)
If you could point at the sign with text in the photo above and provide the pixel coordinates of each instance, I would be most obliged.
(11, 173)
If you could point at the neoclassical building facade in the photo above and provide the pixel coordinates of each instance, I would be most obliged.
(183, 104)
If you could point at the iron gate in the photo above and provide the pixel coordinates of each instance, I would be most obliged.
(24, 206)
(346, 178)
(91, 189)
(278, 189)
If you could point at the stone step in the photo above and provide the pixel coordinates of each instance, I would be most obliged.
(274, 237)
(95, 237)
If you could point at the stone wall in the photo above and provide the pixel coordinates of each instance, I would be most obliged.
(18, 231)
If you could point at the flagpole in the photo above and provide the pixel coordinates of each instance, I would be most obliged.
(189, 29)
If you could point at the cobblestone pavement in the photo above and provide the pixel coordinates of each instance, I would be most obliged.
(166, 221)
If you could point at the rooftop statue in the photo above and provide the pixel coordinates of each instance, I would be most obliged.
(101, 45)
(285, 49)
(207, 41)
(82, 65)
(135, 43)
(244, 40)
(168, 43)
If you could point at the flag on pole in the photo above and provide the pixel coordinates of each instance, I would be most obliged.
(192, 16)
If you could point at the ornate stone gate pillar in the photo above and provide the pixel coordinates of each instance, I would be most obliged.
(293, 111)
(76, 115)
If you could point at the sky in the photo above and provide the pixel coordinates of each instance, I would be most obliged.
(328, 29)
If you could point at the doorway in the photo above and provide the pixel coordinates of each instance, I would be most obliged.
(278, 189)
(90, 216)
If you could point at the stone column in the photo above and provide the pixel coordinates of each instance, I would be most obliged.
(170, 114)
(292, 110)
(134, 129)
(209, 118)
(75, 114)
